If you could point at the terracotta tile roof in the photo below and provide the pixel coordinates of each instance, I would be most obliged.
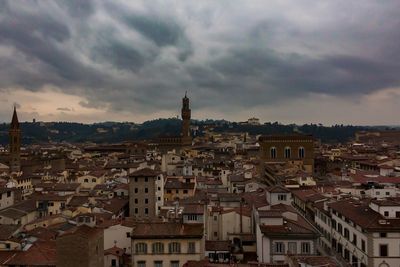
(218, 245)
(315, 261)
(176, 184)
(167, 230)
(83, 230)
(7, 231)
(58, 186)
(145, 172)
(116, 251)
(193, 209)
(290, 228)
(41, 253)
(277, 189)
(361, 214)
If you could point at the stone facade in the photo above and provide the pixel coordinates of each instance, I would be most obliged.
(83, 246)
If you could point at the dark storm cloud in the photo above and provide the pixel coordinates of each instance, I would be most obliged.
(142, 56)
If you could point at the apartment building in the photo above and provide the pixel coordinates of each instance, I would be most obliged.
(166, 244)
(364, 233)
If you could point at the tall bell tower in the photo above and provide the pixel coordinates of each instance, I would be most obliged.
(15, 143)
(186, 112)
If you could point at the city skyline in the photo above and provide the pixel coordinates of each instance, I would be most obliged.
(288, 61)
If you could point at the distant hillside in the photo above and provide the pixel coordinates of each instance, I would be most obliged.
(111, 132)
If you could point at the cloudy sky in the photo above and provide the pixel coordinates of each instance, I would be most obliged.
(296, 61)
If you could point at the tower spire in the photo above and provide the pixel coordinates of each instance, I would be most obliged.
(14, 120)
(15, 143)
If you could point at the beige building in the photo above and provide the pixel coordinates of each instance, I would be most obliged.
(168, 244)
(179, 187)
(6, 198)
(364, 234)
(142, 193)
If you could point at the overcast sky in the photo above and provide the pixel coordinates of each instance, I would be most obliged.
(296, 61)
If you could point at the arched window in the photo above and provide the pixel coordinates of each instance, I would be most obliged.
(174, 247)
(158, 248)
(301, 152)
(288, 152)
(86, 180)
(273, 152)
(141, 248)
(93, 180)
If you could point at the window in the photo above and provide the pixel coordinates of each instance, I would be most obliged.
(141, 264)
(136, 179)
(386, 214)
(86, 181)
(185, 191)
(279, 248)
(282, 197)
(146, 210)
(136, 190)
(93, 180)
(192, 217)
(346, 233)
(397, 214)
(383, 250)
(292, 248)
(288, 152)
(174, 247)
(347, 254)
(363, 245)
(334, 224)
(159, 188)
(136, 201)
(158, 248)
(339, 228)
(192, 247)
(159, 198)
(174, 263)
(157, 263)
(141, 248)
(215, 234)
(128, 234)
(305, 248)
(9, 194)
(382, 234)
(387, 193)
(177, 191)
(301, 152)
(273, 152)
(113, 263)
(168, 191)
(146, 179)
(136, 211)
(355, 239)
(146, 190)
(146, 201)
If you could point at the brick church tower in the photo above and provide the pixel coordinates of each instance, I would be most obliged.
(15, 143)
(186, 137)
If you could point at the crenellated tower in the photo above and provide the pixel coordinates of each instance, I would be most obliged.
(186, 113)
(15, 143)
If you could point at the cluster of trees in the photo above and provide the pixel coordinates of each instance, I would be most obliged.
(110, 132)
